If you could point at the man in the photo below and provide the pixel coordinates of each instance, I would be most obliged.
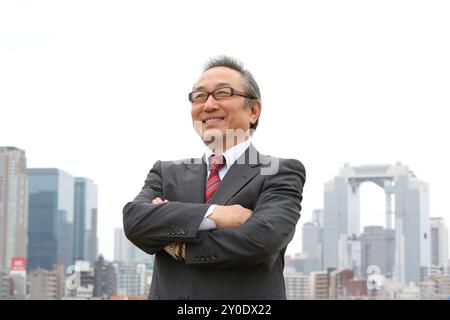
(219, 226)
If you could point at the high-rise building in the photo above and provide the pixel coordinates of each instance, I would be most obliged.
(105, 279)
(6, 286)
(312, 245)
(13, 206)
(123, 248)
(344, 285)
(297, 286)
(439, 243)
(349, 253)
(319, 285)
(46, 284)
(406, 197)
(312, 242)
(436, 287)
(317, 217)
(301, 262)
(354, 254)
(448, 267)
(130, 279)
(18, 275)
(338, 281)
(378, 249)
(127, 253)
(51, 219)
(433, 271)
(85, 221)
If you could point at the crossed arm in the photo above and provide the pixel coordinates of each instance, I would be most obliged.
(242, 238)
(223, 216)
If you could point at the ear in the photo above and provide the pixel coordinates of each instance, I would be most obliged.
(255, 111)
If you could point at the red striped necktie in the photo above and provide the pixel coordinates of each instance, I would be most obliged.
(216, 163)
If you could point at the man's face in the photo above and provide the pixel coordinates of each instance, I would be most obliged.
(213, 116)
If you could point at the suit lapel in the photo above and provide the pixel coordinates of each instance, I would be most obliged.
(191, 180)
(239, 174)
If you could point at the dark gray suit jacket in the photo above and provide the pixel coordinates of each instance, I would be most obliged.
(246, 262)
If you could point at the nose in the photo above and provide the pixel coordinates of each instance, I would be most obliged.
(210, 104)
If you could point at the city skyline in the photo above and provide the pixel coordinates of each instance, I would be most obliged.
(84, 183)
(299, 233)
(63, 208)
(85, 200)
(354, 83)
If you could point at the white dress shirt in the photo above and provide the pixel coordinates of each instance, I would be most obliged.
(231, 155)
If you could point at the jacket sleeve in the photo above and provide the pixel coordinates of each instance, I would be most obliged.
(150, 227)
(260, 240)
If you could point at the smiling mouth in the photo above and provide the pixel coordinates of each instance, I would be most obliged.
(212, 120)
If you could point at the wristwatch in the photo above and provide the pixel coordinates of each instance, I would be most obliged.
(172, 250)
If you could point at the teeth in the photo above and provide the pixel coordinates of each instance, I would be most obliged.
(213, 120)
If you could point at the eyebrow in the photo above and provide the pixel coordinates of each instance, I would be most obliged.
(220, 84)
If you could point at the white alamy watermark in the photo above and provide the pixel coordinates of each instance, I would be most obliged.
(217, 140)
(375, 280)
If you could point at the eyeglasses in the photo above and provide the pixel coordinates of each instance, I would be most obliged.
(218, 94)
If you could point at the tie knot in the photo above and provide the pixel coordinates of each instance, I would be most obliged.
(216, 162)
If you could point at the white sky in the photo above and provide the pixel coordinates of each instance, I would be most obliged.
(99, 88)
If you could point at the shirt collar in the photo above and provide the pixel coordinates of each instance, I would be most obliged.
(231, 155)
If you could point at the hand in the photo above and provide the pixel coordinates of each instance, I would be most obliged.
(230, 216)
(171, 249)
(176, 250)
(158, 200)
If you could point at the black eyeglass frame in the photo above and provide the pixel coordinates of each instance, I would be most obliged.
(233, 92)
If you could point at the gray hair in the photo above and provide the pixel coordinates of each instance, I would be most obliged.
(247, 78)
